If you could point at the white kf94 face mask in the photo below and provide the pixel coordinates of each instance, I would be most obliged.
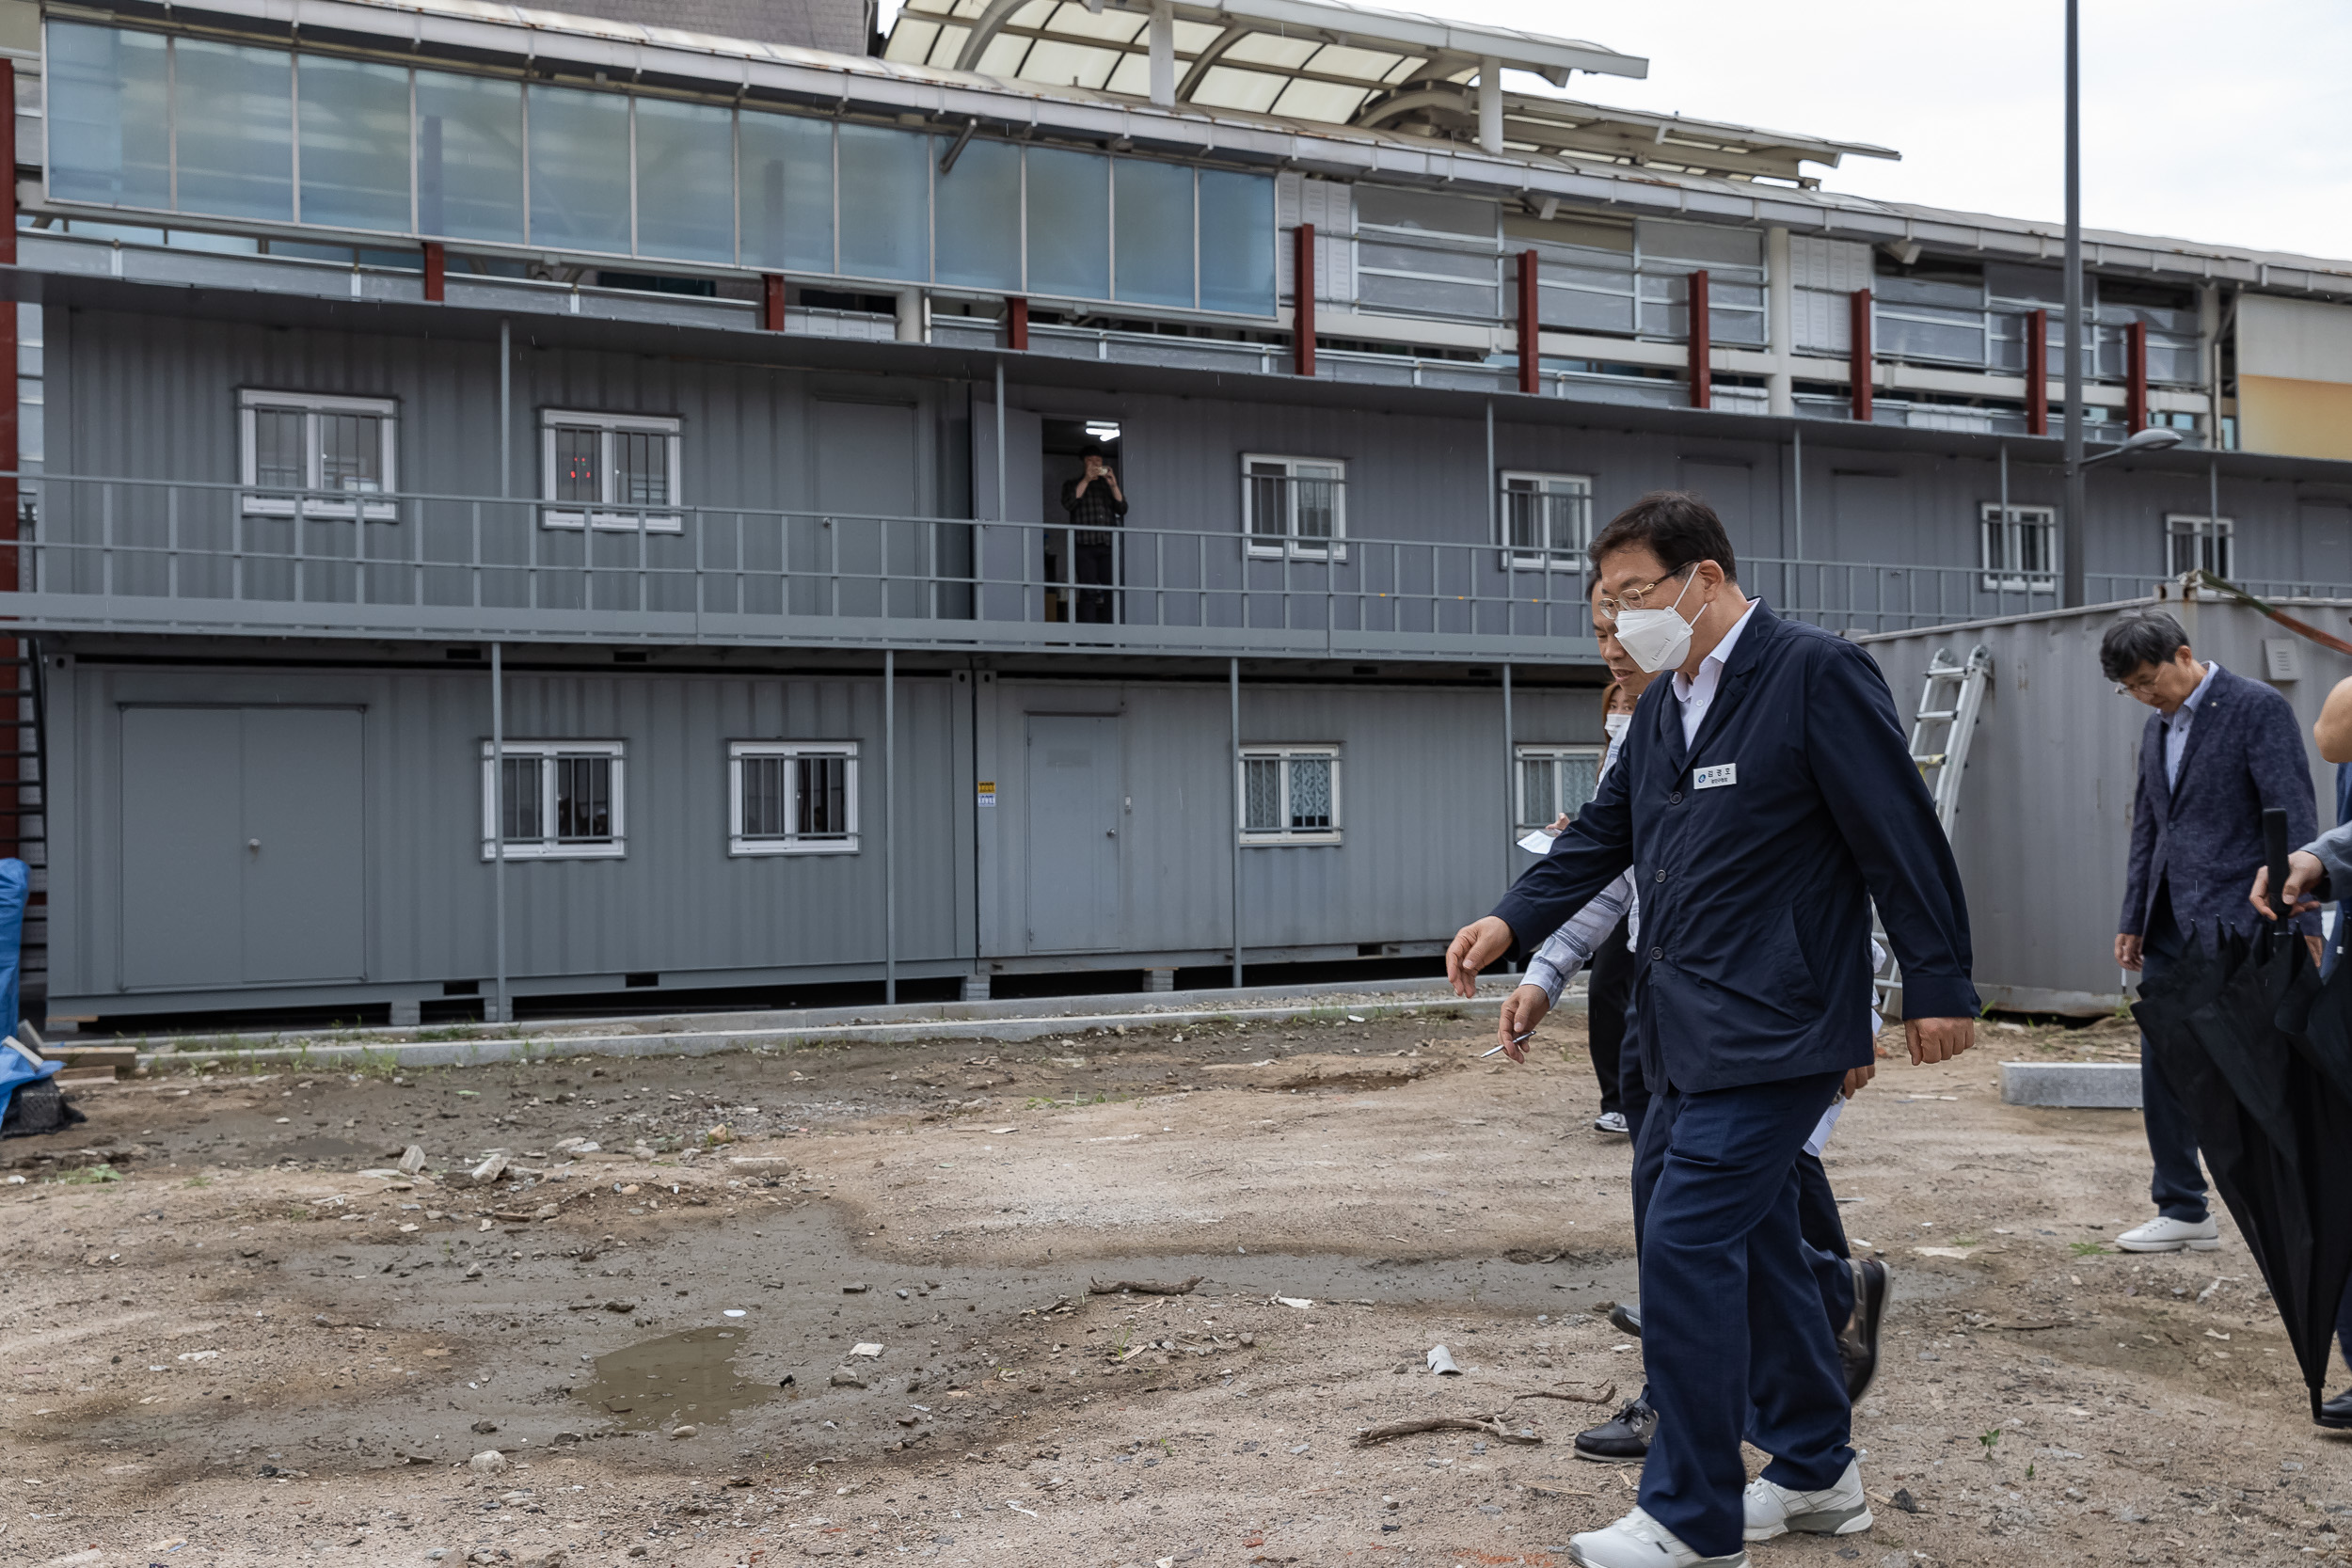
(1655, 638)
(1614, 724)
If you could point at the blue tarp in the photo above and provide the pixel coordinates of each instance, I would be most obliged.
(15, 880)
(18, 1068)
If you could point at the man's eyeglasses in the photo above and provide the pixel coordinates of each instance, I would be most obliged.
(2138, 686)
(1637, 597)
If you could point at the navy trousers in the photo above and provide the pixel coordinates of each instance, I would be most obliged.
(2179, 1184)
(1827, 1256)
(1734, 1337)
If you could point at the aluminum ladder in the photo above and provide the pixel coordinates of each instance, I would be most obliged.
(1941, 731)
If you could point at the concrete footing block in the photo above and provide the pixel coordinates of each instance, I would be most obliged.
(974, 989)
(1159, 979)
(2071, 1085)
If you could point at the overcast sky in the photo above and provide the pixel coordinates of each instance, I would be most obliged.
(2229, 124)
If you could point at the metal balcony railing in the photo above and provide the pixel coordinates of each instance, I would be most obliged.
(180, 556)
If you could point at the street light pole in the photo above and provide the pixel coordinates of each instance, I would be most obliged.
(2075, 334)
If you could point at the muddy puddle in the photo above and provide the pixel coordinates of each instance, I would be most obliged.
(676, 1380)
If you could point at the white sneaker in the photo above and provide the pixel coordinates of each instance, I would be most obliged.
(1776, 1509)
(2167, 1235)
(1638, 1540)
(1611, 1121)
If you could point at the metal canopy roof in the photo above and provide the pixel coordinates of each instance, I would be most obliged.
(1304, 59)
(1558, 128)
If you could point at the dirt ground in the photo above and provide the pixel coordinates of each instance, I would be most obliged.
(835, 1304)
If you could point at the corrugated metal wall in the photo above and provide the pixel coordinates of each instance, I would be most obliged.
(677, 903)
(1424, 847)
(2043, 830)
(156, 396)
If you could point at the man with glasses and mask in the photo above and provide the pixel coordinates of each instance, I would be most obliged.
(2218, 752)
(1765, 798)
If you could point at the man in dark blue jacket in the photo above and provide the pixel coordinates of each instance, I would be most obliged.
(1764, 797)
(2218, 750)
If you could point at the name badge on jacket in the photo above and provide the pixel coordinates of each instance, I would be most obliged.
(1715, 777)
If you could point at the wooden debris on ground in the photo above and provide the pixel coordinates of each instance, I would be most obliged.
(1486, 1426)
(1142, 1286)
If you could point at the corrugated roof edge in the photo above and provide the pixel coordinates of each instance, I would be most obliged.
(1345, 151)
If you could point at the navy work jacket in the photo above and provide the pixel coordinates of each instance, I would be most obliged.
(1757, 851)
(2201, 839)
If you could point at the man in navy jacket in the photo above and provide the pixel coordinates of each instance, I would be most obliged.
(1764, 797)
(2218, 752)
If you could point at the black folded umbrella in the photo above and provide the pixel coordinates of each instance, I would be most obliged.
(2260, 1052)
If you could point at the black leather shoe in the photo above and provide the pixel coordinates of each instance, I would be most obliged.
(1858, 1341)
(1626, 1316)
(2337, 1412)
(1622, 1439)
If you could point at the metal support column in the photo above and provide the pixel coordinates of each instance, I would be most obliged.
(506, 412)
(1494, 485)
(499, 997)
(1510, 804)
(2070, 535)
(1796, 548)
(890, 825)
(1232, 686)
(2007, 519)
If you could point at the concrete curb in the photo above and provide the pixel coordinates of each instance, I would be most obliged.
(2071, 1085)
(701, 1042)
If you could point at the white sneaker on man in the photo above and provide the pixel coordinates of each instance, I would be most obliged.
(1842, 1510)
(2169, 1235)
(1638, 1540)
(1611, 1121)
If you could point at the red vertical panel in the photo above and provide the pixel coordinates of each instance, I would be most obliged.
(1017, 324)
(1531, 325)
(1303, 307)
(1860, 365)
(771, 301)
(2037, 372)
(1702, 345)
(2136, 379)
(435, 271)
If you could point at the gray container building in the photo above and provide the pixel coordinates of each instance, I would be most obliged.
(516, 509)
(2043, 833)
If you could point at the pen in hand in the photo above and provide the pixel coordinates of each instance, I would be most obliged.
(1521, 1038)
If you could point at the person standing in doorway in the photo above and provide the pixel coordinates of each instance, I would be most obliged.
(1766, 799)
(1096, 505)
(2219, 752)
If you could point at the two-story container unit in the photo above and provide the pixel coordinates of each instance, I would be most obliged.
(519, 498)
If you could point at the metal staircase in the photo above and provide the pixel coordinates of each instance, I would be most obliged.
(23, 811)
(1941, 731)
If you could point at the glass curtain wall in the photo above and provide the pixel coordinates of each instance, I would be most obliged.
(207, 128)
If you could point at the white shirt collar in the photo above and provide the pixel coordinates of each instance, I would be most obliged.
(1720, 657)
(2188, 710)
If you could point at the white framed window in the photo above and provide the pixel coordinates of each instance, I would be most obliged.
(556, 799)
(316, 455)
(1546, 521)
(2018, 555)
(609, 470)
(1556, 779)
(1290, 794)
(1295, 506)
(792, 798)
(2192, 540)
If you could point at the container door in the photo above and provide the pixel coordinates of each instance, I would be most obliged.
(241, 846)
(183, 847)
(1075, 795)
(305, 918)
(866, 473)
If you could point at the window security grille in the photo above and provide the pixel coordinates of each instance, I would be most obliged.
(1295, 506)
(610, 471)
(1556, 779)
(793, 798)
(314, 454)
(2192, 541)
(554, 800)
(1547, 520)
(1290, 795)
(2018, 555)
